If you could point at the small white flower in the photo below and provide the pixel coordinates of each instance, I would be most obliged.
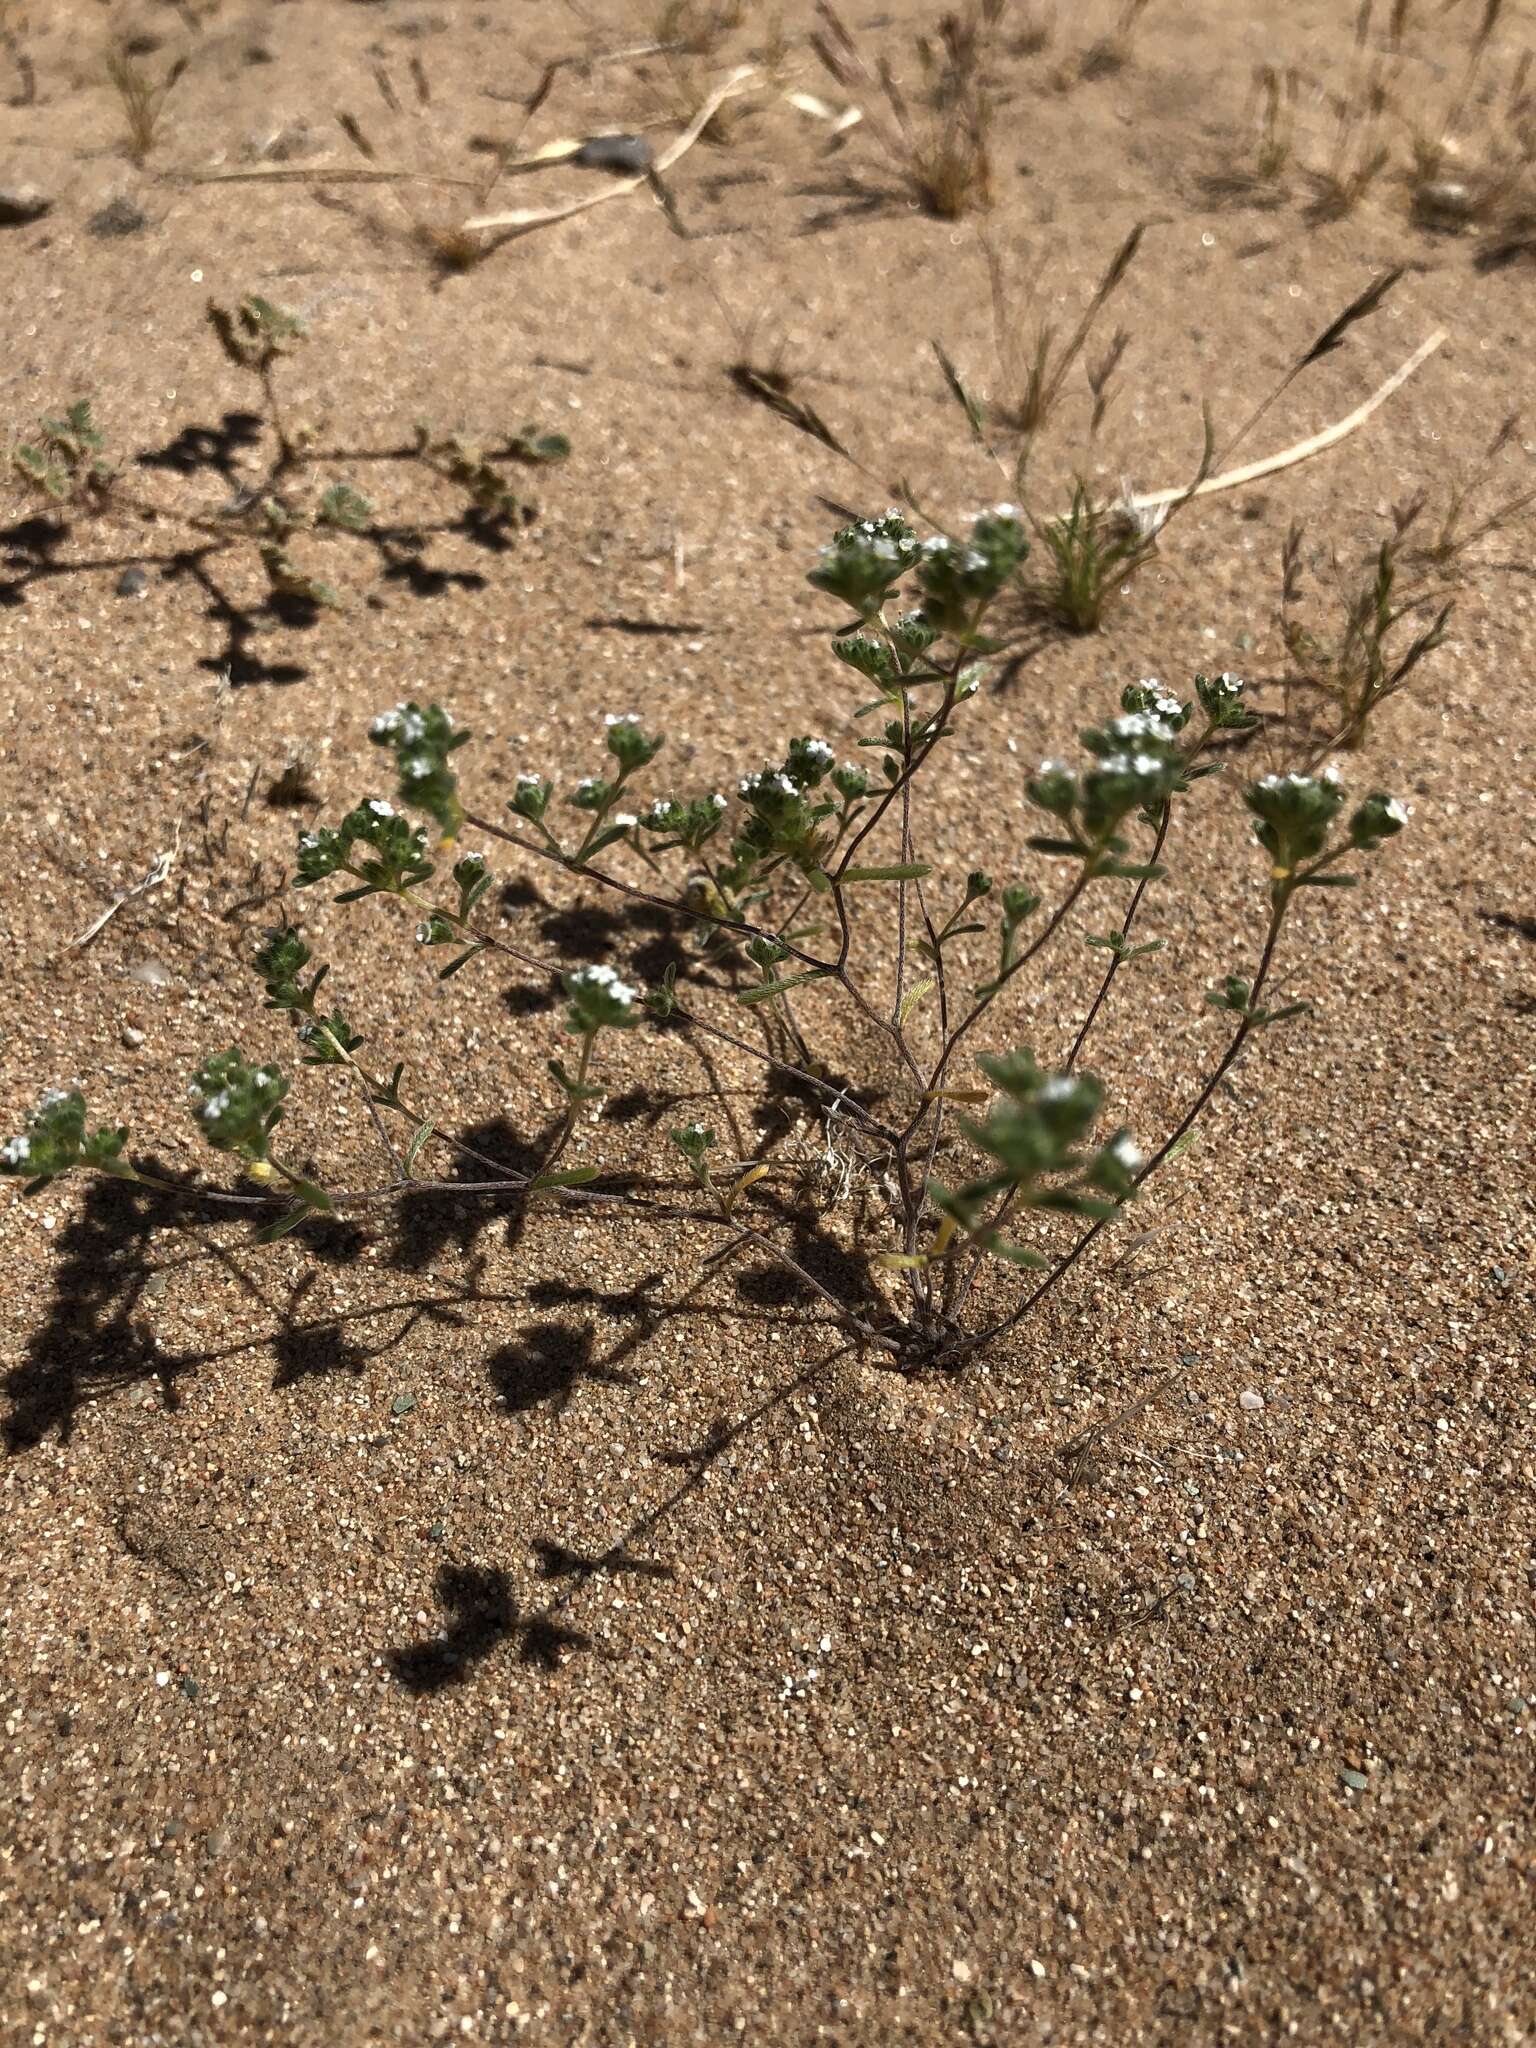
(588, 783)
(15, 1151)
(624, 819)
(718, 801)
(612, 718)
(1126, 1153)
(472, 860)
(526, 779)
(1397, 810)
(379, 808)
(1059, 1088)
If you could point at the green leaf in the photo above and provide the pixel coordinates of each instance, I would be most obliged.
(463, 960)
(913, 997)
(269, 1233)
(419, 1138)
(389, 1094)
(1132, 871)
(578, 1091)
(605, 838)
(779, 988)
(903, 871)
(1061, 846)
(968, 404)
(572, 1177)
(1015, 1254)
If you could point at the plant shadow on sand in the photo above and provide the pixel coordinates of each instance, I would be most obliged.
(38, 549)
(98, 1340)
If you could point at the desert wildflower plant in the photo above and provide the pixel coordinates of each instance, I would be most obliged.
(806, 886)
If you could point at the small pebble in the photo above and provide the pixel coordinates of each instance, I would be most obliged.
(624, 154)
(22, 203)
(1251, 1399)
(132, 1037)
(1357, 1781)
(150, 974)
(133, 582)
(402, 1404)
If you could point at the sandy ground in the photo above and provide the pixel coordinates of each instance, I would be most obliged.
(489, 1628)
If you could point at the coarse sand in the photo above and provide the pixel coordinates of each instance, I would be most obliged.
(489, 1626)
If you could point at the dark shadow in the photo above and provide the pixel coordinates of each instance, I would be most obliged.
(237, 658)
(482, 1615)
(304, 1354)
(645, 629)
(852, 200)
(547, 1364)
(426, 1223)
(557, 1562)
(94, 1339)
(589, 931)
(521, 894)
(217, 448)
(530, 998)
(843, 1272)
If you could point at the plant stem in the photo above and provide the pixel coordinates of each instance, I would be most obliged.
(1195, 1111)
(1117, 958)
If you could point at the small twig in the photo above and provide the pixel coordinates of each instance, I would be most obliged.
(1145, 501)
(527, 219)
(158, 872)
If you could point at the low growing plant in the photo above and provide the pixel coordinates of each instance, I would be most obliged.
(812, 898)
(297, 501)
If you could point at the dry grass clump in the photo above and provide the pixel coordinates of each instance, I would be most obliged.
(1035, 361)
(142, 95)
(937, 140)
(1468, 165)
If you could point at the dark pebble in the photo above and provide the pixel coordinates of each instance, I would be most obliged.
(118, 217)
(624, 154)
(133, 582)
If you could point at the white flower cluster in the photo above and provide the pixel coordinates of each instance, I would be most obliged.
(1294, 781)
(526, 779)
(1397, 810)
(766, 779)
(16, 1151)
(818, 753)
(1126, 1153)
(408, 724)
(1164, 704)
(611, 718)
(604, 978)
(379, 808)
